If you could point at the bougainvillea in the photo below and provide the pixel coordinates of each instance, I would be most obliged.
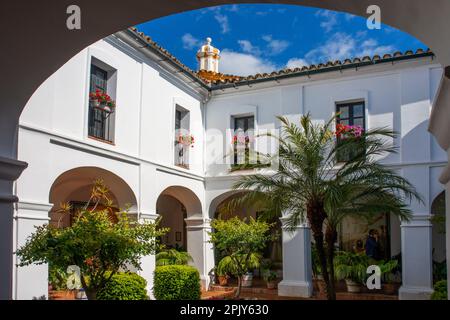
(346, 131)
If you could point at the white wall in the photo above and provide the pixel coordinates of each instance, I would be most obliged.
(399, 98)
(53, 139)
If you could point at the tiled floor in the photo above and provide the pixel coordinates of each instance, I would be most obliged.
(260, 292)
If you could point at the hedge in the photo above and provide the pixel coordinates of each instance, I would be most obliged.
(174, 282)
(440, 291)
(124, 286)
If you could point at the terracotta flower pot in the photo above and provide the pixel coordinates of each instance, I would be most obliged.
(271, 285)
(352, 286)
(223, 280)
(62, 295)
(390, 288)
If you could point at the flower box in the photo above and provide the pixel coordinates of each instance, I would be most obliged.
(101, 101)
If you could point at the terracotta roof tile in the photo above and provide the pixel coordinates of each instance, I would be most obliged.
(212, 79)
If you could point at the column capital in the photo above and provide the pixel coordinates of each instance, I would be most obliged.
(11, 169)
(301, 225)
(417, 220)
(197, 222)
(144, 215)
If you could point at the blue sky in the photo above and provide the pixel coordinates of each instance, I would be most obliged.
(263, 38)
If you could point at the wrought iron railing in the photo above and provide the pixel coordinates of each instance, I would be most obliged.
(100, 124)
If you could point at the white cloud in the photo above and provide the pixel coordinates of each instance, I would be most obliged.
(223, 21)
(349, 17)
(341, 46)
(248, 47)
(296, 63)
(371, 48)
(275, 46)
(233, 8)
(244, 64)
(190, 42)
(330, 19)
(337, 47)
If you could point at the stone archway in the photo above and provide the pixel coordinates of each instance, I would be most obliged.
(272, 255)
(74, 187)
(181, 212)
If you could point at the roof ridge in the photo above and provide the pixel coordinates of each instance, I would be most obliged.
(224, 79)
(348, 62)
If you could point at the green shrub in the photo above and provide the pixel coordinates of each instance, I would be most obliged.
(124, 286)
(176, 282)
(440, 291)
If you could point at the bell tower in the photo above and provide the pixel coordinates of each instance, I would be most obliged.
(208, 57)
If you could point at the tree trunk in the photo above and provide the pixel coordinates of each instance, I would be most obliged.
(316, 216)
(331, 237)
(238, 292)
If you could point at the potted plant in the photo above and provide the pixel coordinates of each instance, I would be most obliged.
(187, 140)
(222, 272)
(247, 279)
(102, 101)
(57, 288)
(352, 268)
(241, 242)
(270, 277)
(390, 280)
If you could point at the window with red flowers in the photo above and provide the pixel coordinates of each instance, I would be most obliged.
(243, 139)
(350, 121)
(184, 140)
(101, 105)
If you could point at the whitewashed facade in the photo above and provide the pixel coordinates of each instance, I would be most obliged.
(139, 159)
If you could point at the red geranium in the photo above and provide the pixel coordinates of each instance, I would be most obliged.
(186, 140)
(103, 98)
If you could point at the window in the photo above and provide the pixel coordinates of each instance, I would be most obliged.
(100, 122)
(183, 138)
(243, 139)
(351, 114)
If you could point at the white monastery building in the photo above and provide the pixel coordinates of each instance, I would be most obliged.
(136, 148)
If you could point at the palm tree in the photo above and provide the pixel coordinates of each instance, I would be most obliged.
(311, 184)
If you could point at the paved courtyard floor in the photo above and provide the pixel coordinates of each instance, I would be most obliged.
(259, 291)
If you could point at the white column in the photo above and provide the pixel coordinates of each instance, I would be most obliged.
(30, 281)
(199, 247)
(447, 234)
(297, 267)
(148, 263)
(10, 170)
(417, 268)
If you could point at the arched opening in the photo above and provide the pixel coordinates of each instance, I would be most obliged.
(354, 232)
(173, 214)
(75, 186)
(178, 206)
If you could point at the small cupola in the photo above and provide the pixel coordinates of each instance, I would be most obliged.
(208, 57)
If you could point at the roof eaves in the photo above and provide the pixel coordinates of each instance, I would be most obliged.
(167, 56)
(323, 68)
